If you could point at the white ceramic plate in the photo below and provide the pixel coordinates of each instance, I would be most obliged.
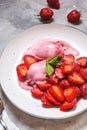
(12, 56)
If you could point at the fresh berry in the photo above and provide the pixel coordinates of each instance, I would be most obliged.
(73, 16)
(54, 3)
(21, 70)
(57, 92)
(68, 59)
(36, 92)
(82, 61)
(71, 93)
(64, 83)
(59, 73)
(45, 102)
(83, 72)
(83, 89)
(67, 68)
(76, 67)
(75, 78)
(29, 59)
(51, 99)
(68, 105)
(52, 79)
(43, 86)
(46, 13)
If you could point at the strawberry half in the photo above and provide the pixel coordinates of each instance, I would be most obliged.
(52, 79)
(75, 78)
(82, 61)
(67, 68)
(69, 59)
(71, 93)
(68, 105)
(83, 89)
(51, 99)
(21, 70)
(36, 92)
(57, 92)
(83, 72)
(64, 83)
(54, 3)
(59, 73)
(45, 102)
(44, 86)
(29, 59)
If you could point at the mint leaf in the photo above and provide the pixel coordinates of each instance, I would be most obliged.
(51, 63)
(54, 60)
(49, 69)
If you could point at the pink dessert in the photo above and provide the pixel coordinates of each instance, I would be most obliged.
(43, 50)
(52, 72)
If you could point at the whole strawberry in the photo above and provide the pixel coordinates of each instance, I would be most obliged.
(46, 13)
(54, 3)
(73, 16)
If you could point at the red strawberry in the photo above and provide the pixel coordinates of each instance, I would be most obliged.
(73, 16)
(29, 59)
(54, 3)
(64, 83)
(57, 92)
(71, 93)
(82, 61)
(83, 89)
(76, 67)
(21, 70)
(46, 13)
(69, 59)
(75, 78)
(68, 105)
(83, 72)
(59, 73)
(51, 99)
(45, 102)
(67, 68)
(52, 79)
(36, 92)
(44, 86)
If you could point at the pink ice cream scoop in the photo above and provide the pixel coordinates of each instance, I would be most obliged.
(37, 71)
(45, 49)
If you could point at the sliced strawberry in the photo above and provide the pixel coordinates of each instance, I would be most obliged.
(76, 78)
(36, 92)
(21, 70)
(71, 93)
(45, 102)
(52, 79)
(57, 92)
(83, 89)
(59, 73)
(67, 68)
(44, 86)
(51, 98)
(69, 59)
(68, 105)
(83, 72)
(76, 67)
(82, 61)
(29, 59)
(64, 83)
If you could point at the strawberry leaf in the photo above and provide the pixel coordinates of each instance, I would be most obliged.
(49, 69)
